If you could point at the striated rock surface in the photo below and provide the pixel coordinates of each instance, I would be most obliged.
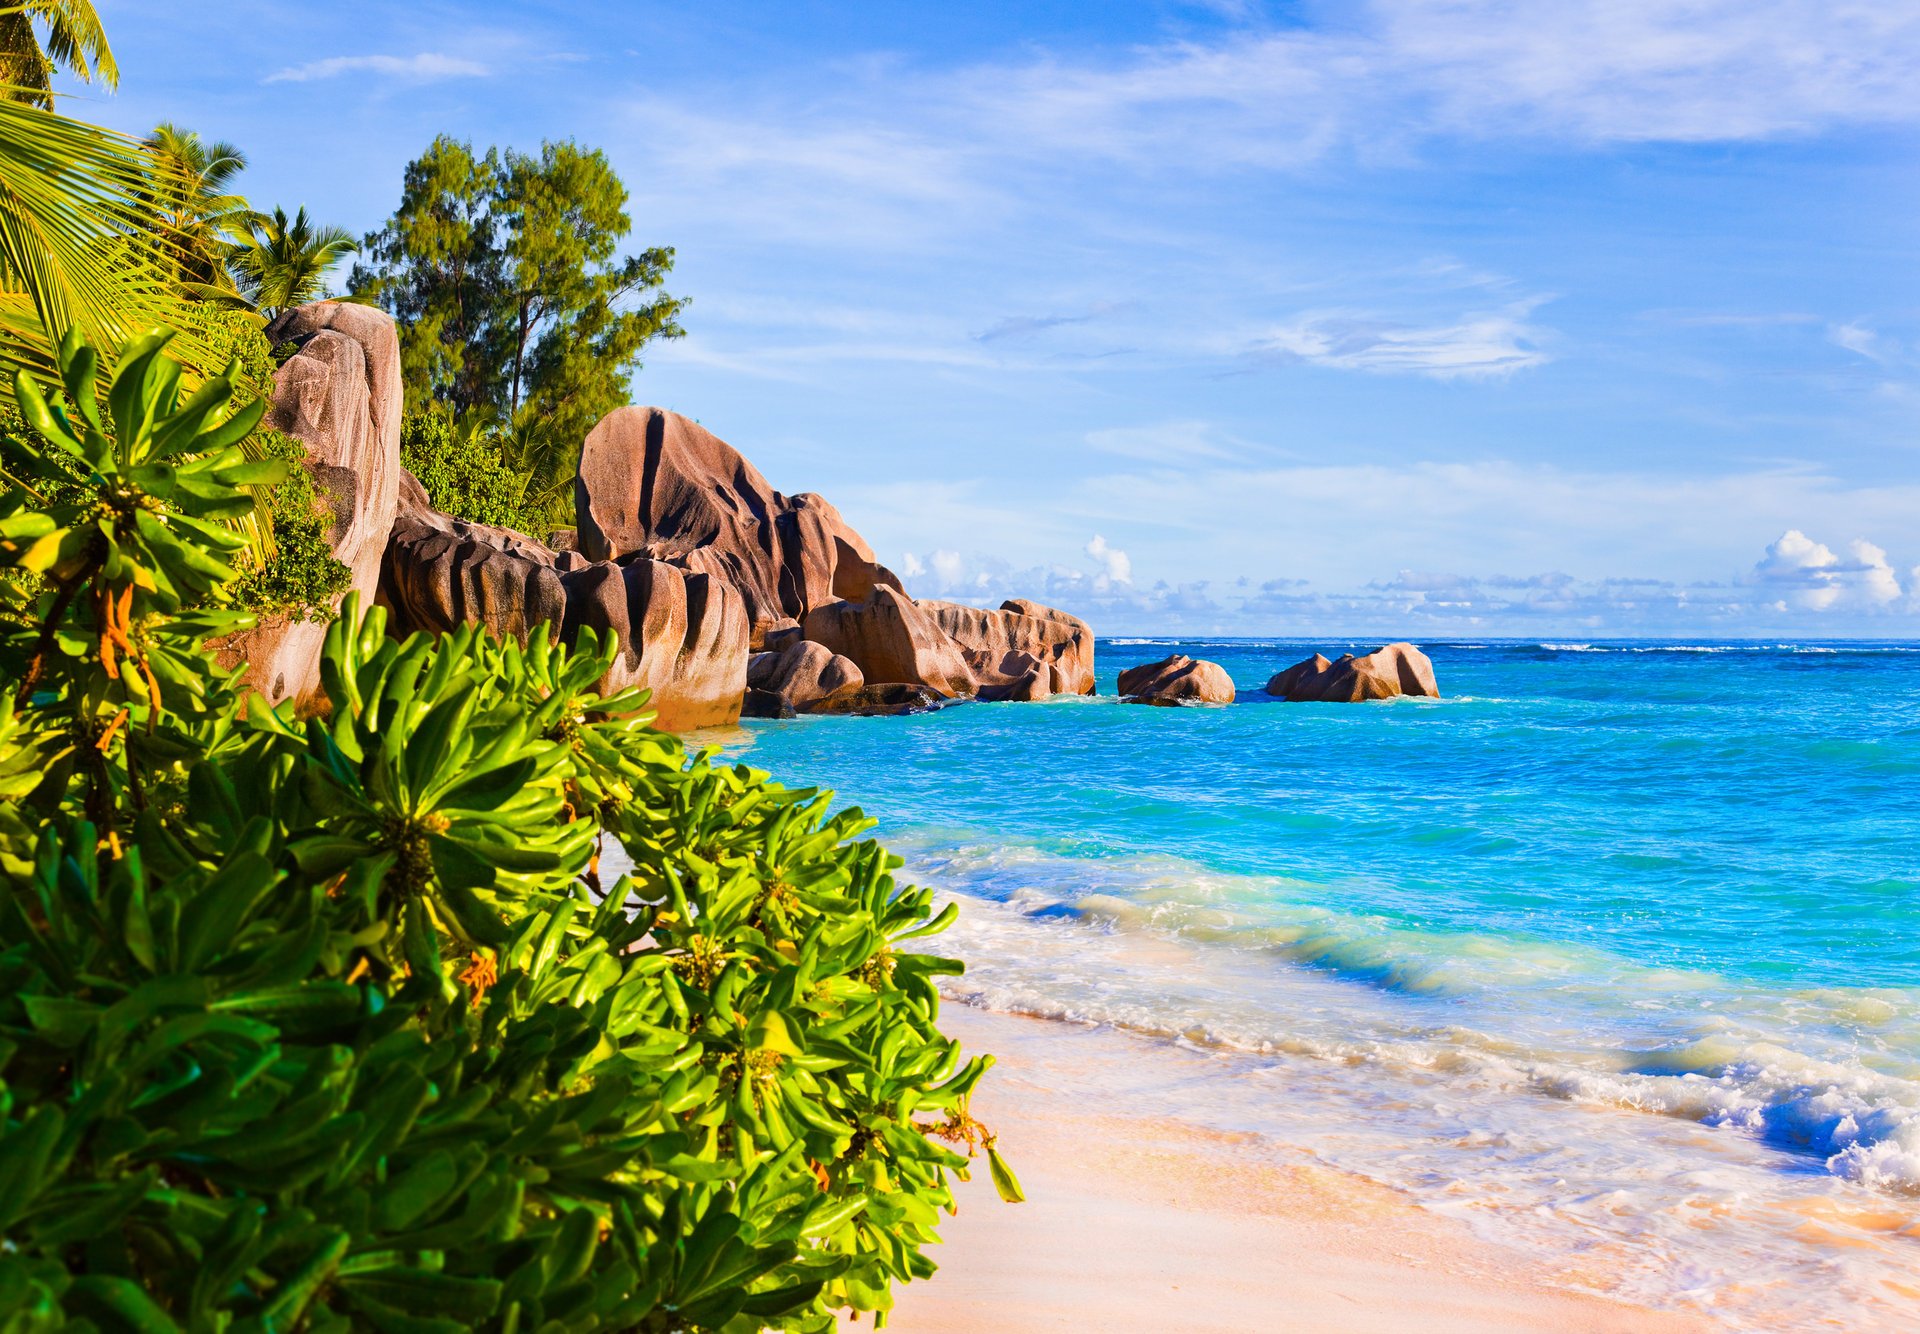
(682, 636)
(654, 484)
(1177, 680)
(1014, 676)
(1064, 643)
(1396, 669)
(339, 395)
(891, 640)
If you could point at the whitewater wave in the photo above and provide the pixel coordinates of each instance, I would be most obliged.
(1500, 1011)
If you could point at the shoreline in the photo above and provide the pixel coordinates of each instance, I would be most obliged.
(1150, 1223)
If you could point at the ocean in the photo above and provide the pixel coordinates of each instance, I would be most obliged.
(1613, 951)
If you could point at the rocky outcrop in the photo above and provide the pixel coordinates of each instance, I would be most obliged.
(1177, 680)
(884, 699)
(892, 641)
(1063, 643)
(1282, 684)
(339, 395)
(682, 549)
(683, 636)
(798, 675)
(1396, 669)
(654, 484)
(1013, 676)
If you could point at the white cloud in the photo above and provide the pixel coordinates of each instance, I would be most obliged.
(1808, 576)
(912, 567)
(1860, 340)
(421, 68)
(949, 567)
(1116, 566)
(1478, 346)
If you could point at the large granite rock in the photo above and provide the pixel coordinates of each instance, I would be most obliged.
(654, 484)
(682, 636)
(1177, 680)
(1396, 669)
(1064, 643)
(339, 395)
(801, 673)
(1013, 676)
(891, 640)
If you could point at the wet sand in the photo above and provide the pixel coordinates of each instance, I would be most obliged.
(1152, 1224)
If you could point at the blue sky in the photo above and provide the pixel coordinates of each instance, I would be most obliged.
(1413, 317)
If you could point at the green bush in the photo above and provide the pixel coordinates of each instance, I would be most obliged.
(333, 1024)
(301, 579)
(461, 468)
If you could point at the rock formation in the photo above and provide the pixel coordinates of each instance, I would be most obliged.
(891, 641)
(798, 675)
(1177, 680)
(885, 698)
(653, 483)
(339, 395)
(1052, 638)
(1397, 669)
(682, 549)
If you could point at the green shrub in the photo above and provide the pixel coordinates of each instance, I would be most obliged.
(301, 579)
(460, 466)
(333, 1024)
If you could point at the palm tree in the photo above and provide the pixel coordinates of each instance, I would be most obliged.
(77, 243)
(74, 41)
(283, 263)
(206, 217)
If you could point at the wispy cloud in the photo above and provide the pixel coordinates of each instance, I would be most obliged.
(425, 67)
(1013, 326)
(1475, 346)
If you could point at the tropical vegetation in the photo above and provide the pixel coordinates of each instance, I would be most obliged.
(460, 997)
(351, 1022)
(517, 314)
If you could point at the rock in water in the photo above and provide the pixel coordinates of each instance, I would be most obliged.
(654, 484)
(891, 640)
(339, 395)
(1282, 684)
(1062, 642)
(1396, 669)
(886, 699)
(801, 673)
(1177, 680)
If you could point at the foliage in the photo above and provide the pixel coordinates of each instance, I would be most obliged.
(513, 303)
(198, 222)
(282, 263)
(334, 1024)
(300, 578)
(80, 247)
(74, 41)
(459, 465)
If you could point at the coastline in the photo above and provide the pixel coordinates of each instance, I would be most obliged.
(1149, 1223)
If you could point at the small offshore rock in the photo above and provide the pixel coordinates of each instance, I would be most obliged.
(1177, 680)
(1387, 672)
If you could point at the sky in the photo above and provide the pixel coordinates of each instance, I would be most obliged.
(1419, 318)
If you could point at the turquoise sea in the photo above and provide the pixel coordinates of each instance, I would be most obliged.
(1613, 950)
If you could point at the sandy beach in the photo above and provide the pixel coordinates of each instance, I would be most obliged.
(1153, 1224)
